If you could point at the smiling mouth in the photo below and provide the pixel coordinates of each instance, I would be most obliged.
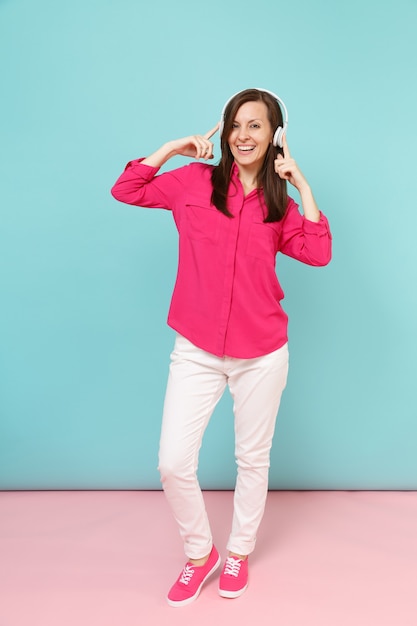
(245, 148)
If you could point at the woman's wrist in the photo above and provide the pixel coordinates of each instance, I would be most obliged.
(310, 208)
(160, 156)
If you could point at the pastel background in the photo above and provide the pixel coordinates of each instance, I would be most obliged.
(85, 281)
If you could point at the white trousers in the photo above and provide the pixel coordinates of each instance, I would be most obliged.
(196, 382)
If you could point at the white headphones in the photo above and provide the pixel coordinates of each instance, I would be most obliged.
(278, 135)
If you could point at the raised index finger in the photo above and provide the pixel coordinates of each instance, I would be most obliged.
(211, 132)
(285, 148)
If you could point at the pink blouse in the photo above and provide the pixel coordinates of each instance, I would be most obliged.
(227, 298)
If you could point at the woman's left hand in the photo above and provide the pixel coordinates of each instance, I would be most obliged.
(287, 168)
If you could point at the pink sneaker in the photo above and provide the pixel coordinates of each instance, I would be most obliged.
(188, 585)
(234, 577)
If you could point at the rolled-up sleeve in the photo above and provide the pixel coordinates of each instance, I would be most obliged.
(304, 240)
(140, 185)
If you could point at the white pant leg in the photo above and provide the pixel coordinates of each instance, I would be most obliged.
(256, 386)
(196, 383)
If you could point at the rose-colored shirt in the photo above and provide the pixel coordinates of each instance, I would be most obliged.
(226, 298)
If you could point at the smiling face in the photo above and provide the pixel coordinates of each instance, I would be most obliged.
(250, 136)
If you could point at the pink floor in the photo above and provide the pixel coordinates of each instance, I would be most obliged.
(107, 559)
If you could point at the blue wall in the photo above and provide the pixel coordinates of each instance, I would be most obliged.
(86, 281)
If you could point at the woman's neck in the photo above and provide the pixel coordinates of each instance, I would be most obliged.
(248, 179)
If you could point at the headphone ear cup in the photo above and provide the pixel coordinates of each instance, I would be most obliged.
(221, 126)
(277, 140)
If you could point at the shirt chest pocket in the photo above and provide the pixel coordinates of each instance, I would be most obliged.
(262, 241)
(202, 223)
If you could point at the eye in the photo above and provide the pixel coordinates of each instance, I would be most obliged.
(235, 125)
(255, 125)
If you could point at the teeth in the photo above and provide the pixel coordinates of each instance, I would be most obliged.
(245, 148)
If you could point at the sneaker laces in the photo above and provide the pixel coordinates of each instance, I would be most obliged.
(187, 574)
(232, 566)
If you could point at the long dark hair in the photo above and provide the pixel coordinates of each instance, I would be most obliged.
(274, 188)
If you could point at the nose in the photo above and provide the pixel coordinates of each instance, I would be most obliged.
(243, 134)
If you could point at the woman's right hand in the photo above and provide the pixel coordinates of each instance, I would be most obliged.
(195, 146)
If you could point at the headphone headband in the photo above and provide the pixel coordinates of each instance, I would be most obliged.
(278, 135)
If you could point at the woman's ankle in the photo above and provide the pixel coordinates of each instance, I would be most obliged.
(242, 557)
(199, 562)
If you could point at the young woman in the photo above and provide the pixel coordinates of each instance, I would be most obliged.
(232, 220)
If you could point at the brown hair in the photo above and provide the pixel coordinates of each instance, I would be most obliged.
(274, 188)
